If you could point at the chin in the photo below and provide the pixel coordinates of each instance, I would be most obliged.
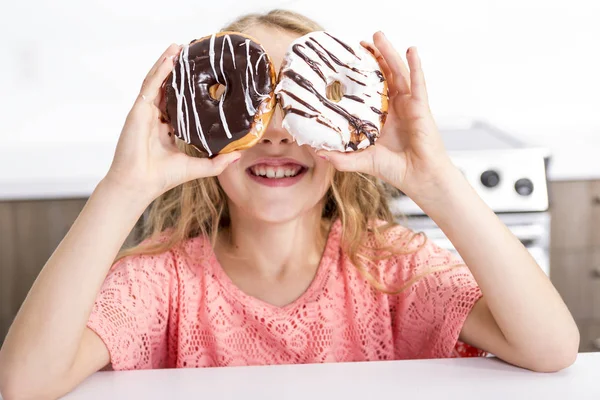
(277, 215)
(273, 212)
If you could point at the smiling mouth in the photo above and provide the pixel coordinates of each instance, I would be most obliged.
(276, 172)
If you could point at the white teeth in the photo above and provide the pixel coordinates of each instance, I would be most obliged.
(274, 172)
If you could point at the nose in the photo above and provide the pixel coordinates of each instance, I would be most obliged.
(276, 133)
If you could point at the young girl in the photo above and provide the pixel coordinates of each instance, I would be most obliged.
(233, 272)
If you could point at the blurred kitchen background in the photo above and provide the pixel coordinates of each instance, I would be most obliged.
(514, 86)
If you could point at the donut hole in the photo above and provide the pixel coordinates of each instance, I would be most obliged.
(216, 91)
(335, 91)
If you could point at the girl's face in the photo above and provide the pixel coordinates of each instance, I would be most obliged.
(296, 178)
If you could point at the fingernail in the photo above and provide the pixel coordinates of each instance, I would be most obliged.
(236, 160)
(324, 157)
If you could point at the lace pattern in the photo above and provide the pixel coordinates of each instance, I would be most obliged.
(179, 309)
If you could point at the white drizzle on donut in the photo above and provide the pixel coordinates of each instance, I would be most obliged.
(250, 76)
(211, 53)
(184, 124)
(222, 115)
(222, 99)
(259, 60)
(313, 62)
(227, 39)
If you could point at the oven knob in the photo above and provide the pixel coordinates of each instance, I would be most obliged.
(524, 187)
(490, 178)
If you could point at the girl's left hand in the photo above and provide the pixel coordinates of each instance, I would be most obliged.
(409, 154)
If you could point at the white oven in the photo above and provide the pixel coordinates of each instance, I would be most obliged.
(508, 175)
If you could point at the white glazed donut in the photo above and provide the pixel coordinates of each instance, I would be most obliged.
(312, 63)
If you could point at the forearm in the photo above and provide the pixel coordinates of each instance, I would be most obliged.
(47, 331)
(525, 305)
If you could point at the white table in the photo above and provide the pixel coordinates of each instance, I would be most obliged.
(475, 378)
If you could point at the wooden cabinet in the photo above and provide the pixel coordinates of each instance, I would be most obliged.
(575, 254)
(8, 267)
(29, 233)
(590, 335)
(571, 213)
(595, 214)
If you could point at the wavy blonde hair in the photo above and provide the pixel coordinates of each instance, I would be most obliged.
(199, 207)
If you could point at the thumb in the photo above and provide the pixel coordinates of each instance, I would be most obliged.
(355, 161)
(205, 167)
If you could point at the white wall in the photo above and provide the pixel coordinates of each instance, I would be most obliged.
(70, 69)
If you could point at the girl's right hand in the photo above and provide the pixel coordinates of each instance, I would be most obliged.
(146, 159)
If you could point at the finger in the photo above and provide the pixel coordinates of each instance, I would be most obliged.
(167, 137)
(359, 161)
(160, 60)
(385, 68)
(151, 89)
(395, 62)
(417, 78)
(204, 167)
(162, 68)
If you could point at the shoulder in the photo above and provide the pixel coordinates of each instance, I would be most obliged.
(398, 256)
(153, 260)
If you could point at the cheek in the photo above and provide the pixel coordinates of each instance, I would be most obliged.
(231, 181)
(323, 176)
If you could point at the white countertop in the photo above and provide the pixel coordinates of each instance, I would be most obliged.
(63, 170)
(469, 378)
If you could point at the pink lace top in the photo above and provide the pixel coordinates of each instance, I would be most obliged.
(173, 311)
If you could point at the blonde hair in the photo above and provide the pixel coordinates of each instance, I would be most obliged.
(199, 207)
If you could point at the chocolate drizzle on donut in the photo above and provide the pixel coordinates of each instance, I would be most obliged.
(320, 119)
(344, 45)
(337, 60)
(321, 55)
(299, 100)
(355, 98)
(359, 82)
(230, 60)
(317, 117)
(312, 64)
(359, 128)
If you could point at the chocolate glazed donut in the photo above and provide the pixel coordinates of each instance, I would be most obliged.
(239, 117)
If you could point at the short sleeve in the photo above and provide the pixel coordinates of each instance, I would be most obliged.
(431, 316)
(131, 311)
(431, 294)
